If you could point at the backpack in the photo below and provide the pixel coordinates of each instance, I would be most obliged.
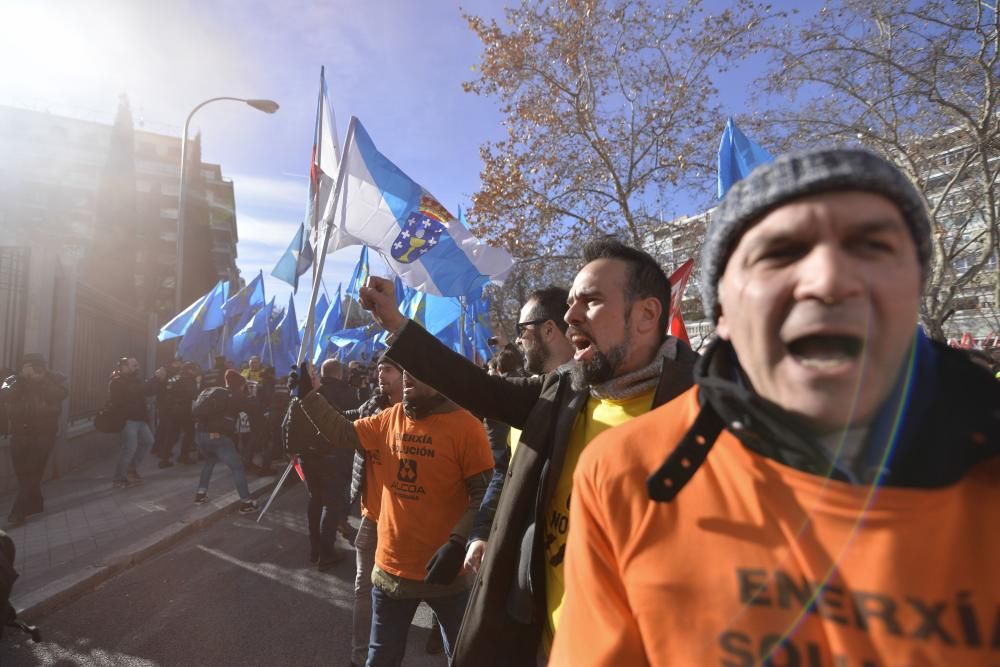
(212, 402)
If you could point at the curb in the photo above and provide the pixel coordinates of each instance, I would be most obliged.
(57, 594)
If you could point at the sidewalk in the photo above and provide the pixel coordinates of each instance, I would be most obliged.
(90, 532)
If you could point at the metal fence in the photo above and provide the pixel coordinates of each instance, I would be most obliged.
(13, 303)
(105, 330)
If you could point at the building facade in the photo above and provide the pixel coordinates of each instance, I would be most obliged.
(88, 243)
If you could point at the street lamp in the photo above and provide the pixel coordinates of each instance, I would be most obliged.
(267, 106)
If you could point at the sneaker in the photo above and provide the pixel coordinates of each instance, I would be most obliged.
(248, 507)
(201, 497)
(120, 484)
(165, 463)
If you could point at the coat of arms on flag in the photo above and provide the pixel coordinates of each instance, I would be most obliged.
(422, 230)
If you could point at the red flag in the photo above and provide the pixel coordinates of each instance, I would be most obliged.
(678, 281)
(298, 468)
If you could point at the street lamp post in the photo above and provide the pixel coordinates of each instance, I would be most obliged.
(267, 106)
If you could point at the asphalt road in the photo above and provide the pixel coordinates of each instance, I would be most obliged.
(238, 593)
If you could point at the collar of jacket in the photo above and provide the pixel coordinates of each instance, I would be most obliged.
(934, 425)
(640, 380)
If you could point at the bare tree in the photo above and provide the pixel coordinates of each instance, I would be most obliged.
(918, 82)
(610, 111)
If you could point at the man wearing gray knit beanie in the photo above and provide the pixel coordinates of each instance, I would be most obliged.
(830, 476)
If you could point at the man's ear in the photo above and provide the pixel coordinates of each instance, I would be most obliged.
(646, 315)
(722, 325)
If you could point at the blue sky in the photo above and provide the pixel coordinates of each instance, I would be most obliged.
(397, 65)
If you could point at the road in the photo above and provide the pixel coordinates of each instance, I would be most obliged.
(238, 593)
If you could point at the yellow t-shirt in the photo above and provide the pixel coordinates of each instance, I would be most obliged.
(600, 415)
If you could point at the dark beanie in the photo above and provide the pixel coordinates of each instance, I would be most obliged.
(384, 359)
(798, 175)
(234, 380)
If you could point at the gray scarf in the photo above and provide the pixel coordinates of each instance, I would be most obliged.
(638, 381)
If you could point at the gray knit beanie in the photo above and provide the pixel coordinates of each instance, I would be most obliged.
(798, 175)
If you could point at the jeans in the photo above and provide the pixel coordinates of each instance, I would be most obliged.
(220, 448)
(137, 440)
(391, 618)
(327, 486)
(364, 545)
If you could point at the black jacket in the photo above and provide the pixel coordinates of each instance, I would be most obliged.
(33, 406)
(177, 394)
(225, 423)
(506, 613)
(948, 399)
(128, 395)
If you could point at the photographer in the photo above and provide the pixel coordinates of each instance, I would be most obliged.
(32, 400)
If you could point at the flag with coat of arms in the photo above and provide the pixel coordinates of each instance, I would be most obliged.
(383, 208)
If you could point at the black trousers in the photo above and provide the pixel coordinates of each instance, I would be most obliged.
(29, 453)
(170, 428)
(328, 489)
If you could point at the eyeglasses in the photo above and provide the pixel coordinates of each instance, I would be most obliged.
(522, 326)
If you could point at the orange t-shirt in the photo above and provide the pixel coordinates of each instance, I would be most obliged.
(755, 561)
(424, 465)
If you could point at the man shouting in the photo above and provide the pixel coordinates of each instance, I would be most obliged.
(624, 363)
(436, 464)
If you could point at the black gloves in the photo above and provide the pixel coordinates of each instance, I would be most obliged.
(299, 380)
(446, 563)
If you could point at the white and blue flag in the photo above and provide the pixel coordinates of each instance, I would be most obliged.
(383, 208)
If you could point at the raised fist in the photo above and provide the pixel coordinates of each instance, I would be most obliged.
(378, 297)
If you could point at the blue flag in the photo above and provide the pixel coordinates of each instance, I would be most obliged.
(250, 340)
(177, 326)
(357, 344)
(239, 310)
(360, 275)
(296, 260)
(332, 322)
(738, 155)
(207, 311)
(285, 340)
(198, 346)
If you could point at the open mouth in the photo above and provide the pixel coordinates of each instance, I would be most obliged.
(826, 351)
(582, 345)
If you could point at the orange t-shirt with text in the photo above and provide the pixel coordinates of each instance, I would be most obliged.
(758, 563)
(371, 490)
(424, 465)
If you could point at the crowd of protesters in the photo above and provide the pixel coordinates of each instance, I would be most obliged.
(815, 487)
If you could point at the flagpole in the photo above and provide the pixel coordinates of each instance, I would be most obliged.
(341, 176)
(317, 161)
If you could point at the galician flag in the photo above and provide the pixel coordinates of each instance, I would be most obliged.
(325, 159)
(383, 208)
